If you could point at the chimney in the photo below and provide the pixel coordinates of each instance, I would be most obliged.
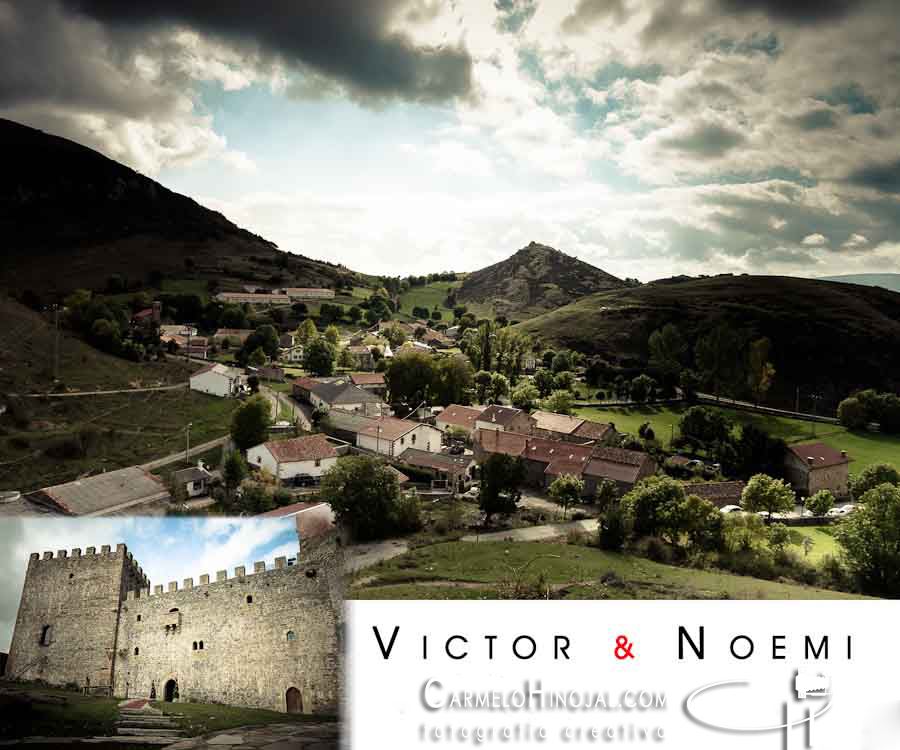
(843, 454)
(157, 311)
(810, 460)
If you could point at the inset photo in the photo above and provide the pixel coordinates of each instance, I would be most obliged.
(181, 633)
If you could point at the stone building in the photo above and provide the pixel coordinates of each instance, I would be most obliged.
(811, 467)
(261, 639)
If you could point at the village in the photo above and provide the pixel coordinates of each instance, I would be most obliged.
(436, 425)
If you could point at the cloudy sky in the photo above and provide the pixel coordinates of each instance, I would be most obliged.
(168, 549)
(649, 137)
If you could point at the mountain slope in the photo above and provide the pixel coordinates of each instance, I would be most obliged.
(535, 279)
(71, 217)
(825, 335)
(884, 280)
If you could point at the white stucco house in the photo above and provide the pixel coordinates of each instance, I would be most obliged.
(307, 456)
(218, 380)
(391, 436)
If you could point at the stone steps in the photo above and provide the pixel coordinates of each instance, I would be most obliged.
(154, 722)
(148, 732)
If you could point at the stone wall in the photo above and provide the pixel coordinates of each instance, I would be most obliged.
(67, 623)
(244, 640)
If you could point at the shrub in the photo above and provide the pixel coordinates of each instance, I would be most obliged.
(19, 443)
(407, 515)
(656, 549)
(612, 530)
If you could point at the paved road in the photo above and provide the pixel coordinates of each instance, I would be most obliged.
(195, 449)
(361, 556)
(72, 394)
(534, 533)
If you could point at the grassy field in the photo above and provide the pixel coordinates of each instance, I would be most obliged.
(74, 715)
(120, 430)
(823, 541)
(429, 295)
(201, 718)
(479, 570)
(864, 447)
(55, 712)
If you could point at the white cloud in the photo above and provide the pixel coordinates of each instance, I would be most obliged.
(815, 240)
(856, 240)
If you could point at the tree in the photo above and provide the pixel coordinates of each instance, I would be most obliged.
(355, 314)
(718, 355)
(820, 503)
(482, 385)
(257, 358)
(559, 402)
(760, 371)
(105, 335)
(779, 537)
(566, 490)
(642, 388)
(345, 358)
(265, 337)
(564, 380)
(705, 426)
(395, 336)
(873, 476)
(667, 350)
(525, 396)
(754, 452)
(763, 493)
(250, 423)
(501, 478)
(234, 472)
(870, 537)
(319, 356)
(605, 493)
(306, 332)
(499, 386)
(655, 507)
(701, 521)
(410, 378)
(363, 495)
(255, 499)
(689, 382)
(561, 361)
(455, 378)
(332, 334)
(544, 381)
(852, 413)
(612, 530)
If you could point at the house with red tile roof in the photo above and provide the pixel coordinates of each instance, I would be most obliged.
(811, 467)
(505, 419)
(308, 455)
(719, 494)
(461, 417)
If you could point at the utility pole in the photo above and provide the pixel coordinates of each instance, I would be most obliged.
(187, 448)
(187, 352)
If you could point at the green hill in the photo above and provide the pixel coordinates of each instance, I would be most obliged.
(535, 279)
(825, 336)
(70, 217)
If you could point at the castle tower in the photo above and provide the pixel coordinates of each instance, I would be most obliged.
(66, 627)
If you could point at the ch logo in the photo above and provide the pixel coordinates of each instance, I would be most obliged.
(807, 685)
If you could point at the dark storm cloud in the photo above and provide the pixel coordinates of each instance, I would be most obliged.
(346, 40)
(882, 177)
(512, 15)
(795, 11)
(588, 12)
(707, 141)
(817, 119)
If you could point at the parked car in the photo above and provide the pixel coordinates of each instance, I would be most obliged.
(303, 480)
(731, 509)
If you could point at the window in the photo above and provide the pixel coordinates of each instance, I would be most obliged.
(249, 599)
(291, 636)
(201, 645)
(136, 651)
(46, 635)
(71, 576)
(318, 462)
(174, 609)
(195, 645)
(402, 441)
(413, 438)
(138, 618)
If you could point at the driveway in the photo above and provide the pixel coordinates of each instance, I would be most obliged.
(195, 449)
(535, 533)
(361, 556)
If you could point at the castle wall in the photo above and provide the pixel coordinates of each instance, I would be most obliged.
(246, 657)
(76, 599)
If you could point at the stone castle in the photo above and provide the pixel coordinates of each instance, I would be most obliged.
(267, 639)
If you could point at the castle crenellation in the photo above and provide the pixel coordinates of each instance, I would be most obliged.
(266, 638)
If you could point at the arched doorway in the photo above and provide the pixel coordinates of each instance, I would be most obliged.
(171, 691)
(294, 701)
